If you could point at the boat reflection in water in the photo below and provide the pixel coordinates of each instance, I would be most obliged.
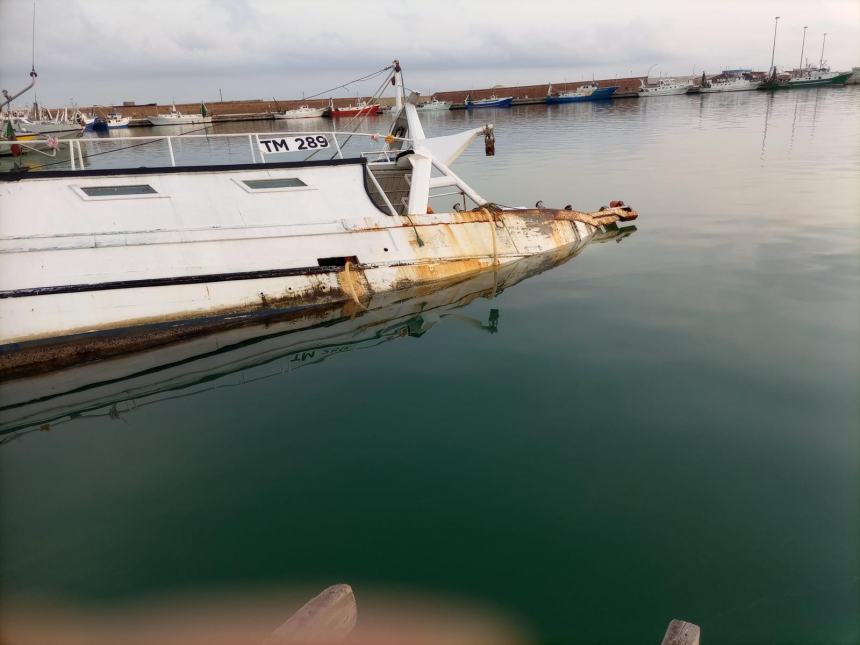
(118, 376)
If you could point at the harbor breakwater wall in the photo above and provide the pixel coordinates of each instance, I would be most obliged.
(253, 109)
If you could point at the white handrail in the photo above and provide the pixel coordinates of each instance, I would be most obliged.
(253, 138)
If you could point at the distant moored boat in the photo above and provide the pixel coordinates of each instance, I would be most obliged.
(492, 101)
(730, 80)
(360, 107)
(664, 87)
(175, 117)
(432, 106)
(588, 92)
(303, 112)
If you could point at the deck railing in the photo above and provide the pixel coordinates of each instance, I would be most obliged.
(263, 147)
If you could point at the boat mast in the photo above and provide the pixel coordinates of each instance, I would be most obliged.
(802, 44)
(398, 85)
(821, 60)
(773, 51)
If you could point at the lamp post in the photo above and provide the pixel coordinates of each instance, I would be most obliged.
(773, 51)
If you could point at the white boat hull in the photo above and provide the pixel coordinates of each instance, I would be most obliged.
(311, 113)
(185, 119)
(730, 87)
(434, 107)
(80, 266)
(663, 91)
(61, 130)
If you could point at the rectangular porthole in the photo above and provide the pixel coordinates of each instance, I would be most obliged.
(273, 184)
(118, 191)
(283, 182)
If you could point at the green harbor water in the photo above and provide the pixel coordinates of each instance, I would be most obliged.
(664, 427)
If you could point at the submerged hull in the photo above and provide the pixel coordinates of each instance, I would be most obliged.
(197, 358)
(180, 258)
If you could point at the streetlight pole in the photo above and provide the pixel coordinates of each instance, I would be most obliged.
(773, 51)
(801, 49)
(821, 60)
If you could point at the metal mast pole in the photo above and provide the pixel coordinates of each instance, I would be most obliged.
(773, 51)
(821, 60)
(801, 49)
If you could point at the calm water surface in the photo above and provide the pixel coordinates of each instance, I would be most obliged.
(661, 428)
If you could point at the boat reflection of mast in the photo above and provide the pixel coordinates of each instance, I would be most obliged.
(769, 99)
(793, 122)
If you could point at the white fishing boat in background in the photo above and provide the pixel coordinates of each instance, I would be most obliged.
(39, 120)
(730, 80)
(664, 87)
(160, 248)
(434, 105)
(303, 112)
(175, 117)
(58, 128)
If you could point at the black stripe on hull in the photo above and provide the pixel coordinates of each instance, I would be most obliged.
(166, 282)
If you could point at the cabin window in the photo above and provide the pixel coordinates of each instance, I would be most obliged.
(118, 191)
(282, 182)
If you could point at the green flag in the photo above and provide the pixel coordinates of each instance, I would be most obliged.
(9, 131)
(203, 111)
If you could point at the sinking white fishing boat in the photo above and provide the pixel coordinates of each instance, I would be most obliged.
(86, 252)
(175, 117)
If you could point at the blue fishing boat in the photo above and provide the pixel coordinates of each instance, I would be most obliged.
(493, 101)
(589, 92)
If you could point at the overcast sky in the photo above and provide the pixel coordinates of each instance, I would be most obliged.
(108, 51)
